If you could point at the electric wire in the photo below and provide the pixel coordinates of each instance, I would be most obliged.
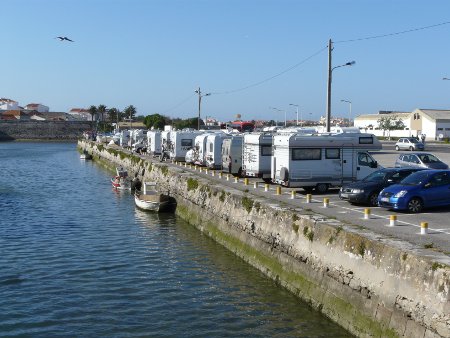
(179, 104)
(393, 34)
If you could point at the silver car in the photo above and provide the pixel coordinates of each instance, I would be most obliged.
(409, 143)
(420, 160)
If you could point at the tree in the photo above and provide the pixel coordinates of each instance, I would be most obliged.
(92, 110)
(156, 121)
(188, 123)
(114, 114)
(101, 109)
(388, 123)
(130, 112)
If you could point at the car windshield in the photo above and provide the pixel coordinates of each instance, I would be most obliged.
(377, 176)
(416, 178)
(428, 158)
(413, 140)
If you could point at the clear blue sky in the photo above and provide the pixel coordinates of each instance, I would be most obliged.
(154, 54)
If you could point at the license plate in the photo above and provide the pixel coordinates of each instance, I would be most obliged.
(384, 199)
(344, 195)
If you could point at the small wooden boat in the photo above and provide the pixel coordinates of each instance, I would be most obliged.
(150, 198)
(85, 155)
(121, 181)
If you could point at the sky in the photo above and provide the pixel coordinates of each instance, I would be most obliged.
(251, 55)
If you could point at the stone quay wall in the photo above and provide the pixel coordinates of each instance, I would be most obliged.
(371, 285)
(42, 130)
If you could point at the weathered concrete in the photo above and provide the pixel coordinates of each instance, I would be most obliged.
(369, 284)
(42, 130)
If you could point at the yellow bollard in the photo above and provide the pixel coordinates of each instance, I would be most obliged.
(245, 181)
(278, 191)
(255, 185)
(292, 194)
(220, 175)
(367, 213)
(236, 179)
(266, 187)
(308, 198)
(213, 173)
(206, 171)
(228, 177)
(195, 168)
(326, 202)
(392, 220)
(423, 228)
(185, 164)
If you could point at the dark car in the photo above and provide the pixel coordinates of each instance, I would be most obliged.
(420, 160)
(423, 189)
(366, 191)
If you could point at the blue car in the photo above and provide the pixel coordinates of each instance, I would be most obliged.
(422, 189)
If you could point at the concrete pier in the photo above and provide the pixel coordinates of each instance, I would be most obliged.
(370, 284)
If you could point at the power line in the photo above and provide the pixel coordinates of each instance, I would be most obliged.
(179, 104)
(392, 34)
(272, 77)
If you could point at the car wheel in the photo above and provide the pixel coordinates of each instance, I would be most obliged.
(415, 205)
(322, 188)
(397, 148)
(373, 199)
(411, 148)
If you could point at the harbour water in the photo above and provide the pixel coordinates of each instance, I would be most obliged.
(78, 259)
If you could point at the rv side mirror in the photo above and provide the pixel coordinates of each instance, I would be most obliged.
(374, 164)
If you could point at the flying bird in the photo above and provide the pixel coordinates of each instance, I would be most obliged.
(63, 38)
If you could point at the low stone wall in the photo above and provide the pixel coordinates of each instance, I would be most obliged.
(42, 130)
(369, 284)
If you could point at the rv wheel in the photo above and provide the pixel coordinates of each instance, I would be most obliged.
(308, 189)
(322, 188)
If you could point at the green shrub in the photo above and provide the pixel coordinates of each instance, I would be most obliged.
(192, 184)
(247, 203)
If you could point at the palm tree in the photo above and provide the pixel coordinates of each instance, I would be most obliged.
(130, 112)
(92, 110)
(114, 115)
(101, 109)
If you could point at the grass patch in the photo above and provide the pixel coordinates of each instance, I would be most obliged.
(308, 233)
(192, 184)
(247, 203)
(428, 246)
(362, 248)
(436, 266)
(222, 196)
(295, 227)
(165, 170)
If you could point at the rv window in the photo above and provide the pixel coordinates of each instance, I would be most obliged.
(365, 140)
(266, 150)
(211, 147)
(302, 154)
(186, 143)
(332, 153)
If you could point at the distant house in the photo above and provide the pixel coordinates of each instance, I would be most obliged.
(40, 108)
(434, 123)
(81, 114)
(8, 104)
(14, 115)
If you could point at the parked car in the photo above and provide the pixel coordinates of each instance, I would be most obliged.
(420, 160)
(366, 191)
(422, 189)
(409, 143)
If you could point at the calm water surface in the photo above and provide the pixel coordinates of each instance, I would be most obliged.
(78, 259)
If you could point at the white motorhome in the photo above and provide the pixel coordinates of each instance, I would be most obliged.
(198, 156)
(213, 154)
(138, 136)
(322, 161)
(124, 138)
(256, 155)
(180, 142)
(232, 154)
(154, 142)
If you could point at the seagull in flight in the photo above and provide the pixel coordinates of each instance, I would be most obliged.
(63, 38)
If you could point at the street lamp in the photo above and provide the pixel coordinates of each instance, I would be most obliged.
(285, 122)
(200, 95)
(330, 72)
(296, 106)
(350, 111)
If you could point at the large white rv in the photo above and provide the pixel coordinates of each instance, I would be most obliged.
(232, 154)
(256, 155)
(154, 142)
(322, 161)
(198, 156)
(124, 138)
(180, 142)
(213, 154)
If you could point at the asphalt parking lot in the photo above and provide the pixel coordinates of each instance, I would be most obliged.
(408, 226)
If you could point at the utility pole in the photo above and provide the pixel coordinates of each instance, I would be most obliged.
(199, 92)
(328, 118)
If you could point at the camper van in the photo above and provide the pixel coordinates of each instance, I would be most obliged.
(232, 154)
(256, 155)
(213, 154)
(154, 142)
(322, 161)
(124, 138)
(198, 157)
(180, 142)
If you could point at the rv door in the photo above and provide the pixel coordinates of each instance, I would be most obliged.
(365, 166)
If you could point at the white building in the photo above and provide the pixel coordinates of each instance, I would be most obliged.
(40, 108)
(8, 104)
(81, 114)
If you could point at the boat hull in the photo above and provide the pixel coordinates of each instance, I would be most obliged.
(157, 204)
(120, 185)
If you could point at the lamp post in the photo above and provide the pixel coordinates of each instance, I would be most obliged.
(200, 95)
(330, 73)
(279, 110)
(350, 111)
(296, 106)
